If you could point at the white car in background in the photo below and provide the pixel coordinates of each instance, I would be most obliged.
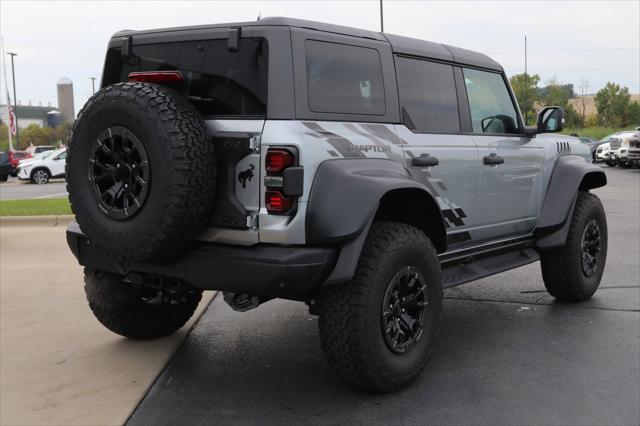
(40, 170)
(620, 144)
(603, 153)
(36, 157)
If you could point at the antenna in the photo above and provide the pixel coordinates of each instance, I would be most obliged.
(381, 18)
(259, 16)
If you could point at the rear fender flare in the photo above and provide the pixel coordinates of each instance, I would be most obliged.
(344, 199)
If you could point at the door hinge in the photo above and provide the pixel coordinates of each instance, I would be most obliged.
(254, 142)
(252, 221)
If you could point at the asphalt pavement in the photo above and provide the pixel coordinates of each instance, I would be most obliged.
(508, 354)
(14, 189)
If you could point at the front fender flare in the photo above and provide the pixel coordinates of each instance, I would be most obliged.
(571, 174)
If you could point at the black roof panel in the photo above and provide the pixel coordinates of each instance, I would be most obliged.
(399, 44)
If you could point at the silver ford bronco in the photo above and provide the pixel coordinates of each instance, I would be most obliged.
(358, 172)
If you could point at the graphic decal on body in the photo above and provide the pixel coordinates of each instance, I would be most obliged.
(341, 144)
(452, 213)
(381, 137)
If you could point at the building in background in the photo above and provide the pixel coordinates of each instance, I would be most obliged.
(29, 114)
(65, 101)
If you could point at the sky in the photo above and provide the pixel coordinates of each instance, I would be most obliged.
(571, 41)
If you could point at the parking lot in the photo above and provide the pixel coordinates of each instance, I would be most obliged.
(508, 352)
(14, 189)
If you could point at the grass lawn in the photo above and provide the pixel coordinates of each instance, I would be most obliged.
(595, 132)
(42, 207)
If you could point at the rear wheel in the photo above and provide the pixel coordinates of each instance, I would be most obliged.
(378, 330)
(40, 176)
(137, 311)
(573, 272)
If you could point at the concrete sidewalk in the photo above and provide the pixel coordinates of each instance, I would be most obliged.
(58, 365)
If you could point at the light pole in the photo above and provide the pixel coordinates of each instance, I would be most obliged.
(93, 84)
(15, 99)
(526, 84)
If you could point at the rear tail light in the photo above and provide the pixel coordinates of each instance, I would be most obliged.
(159, 77)
(277, 203)
(278, 160)
(277, 200)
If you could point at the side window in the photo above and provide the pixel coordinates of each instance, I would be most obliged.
(62, 156)
(428, 95)
(491, 108)
(344, 79)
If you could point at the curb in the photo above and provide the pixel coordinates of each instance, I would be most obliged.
(17, 221)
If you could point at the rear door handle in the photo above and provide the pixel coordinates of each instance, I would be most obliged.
(425, 160)
(493, 159)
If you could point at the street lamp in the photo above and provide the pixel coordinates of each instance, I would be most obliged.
(15, 99)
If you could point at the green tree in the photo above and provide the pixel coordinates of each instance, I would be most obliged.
(614, 106)
(36, 135)
(557, 94)
(525, 87)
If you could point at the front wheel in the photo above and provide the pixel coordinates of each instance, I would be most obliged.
(136, 311)
(378, 330)
(40, 176)
(572, 272)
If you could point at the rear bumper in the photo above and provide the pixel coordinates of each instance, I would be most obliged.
(261, 270)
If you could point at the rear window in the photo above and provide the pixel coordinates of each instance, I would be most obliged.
(218, 81)
(344, 79)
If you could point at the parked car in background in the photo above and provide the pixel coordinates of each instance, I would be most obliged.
(16, 156)
(41, 170)
(603, 153)
(34, 157)
(40, 148)
(619, 145)
(6, 168)
(634, 148)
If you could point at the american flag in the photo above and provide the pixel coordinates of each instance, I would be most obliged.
(12, 119)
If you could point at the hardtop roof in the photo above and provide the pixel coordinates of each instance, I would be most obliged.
(399, 44)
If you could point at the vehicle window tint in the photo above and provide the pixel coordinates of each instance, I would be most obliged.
(344, 79)
(233, 83)
(428, 95)
(492, 110)
(218, 81)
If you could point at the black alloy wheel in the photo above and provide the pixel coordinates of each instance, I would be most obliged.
(591, 247)
(119, 172)
(403, 309)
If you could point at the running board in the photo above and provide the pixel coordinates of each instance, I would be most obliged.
(455, 273)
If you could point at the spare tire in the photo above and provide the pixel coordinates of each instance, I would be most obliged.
(140, 171)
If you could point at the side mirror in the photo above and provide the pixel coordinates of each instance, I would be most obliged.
(550, 119)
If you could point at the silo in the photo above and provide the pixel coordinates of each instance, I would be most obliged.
(65, 100)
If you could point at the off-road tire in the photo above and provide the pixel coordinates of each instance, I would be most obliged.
(182, 166)
(120, 307)
(562, 270)
(350, 329)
